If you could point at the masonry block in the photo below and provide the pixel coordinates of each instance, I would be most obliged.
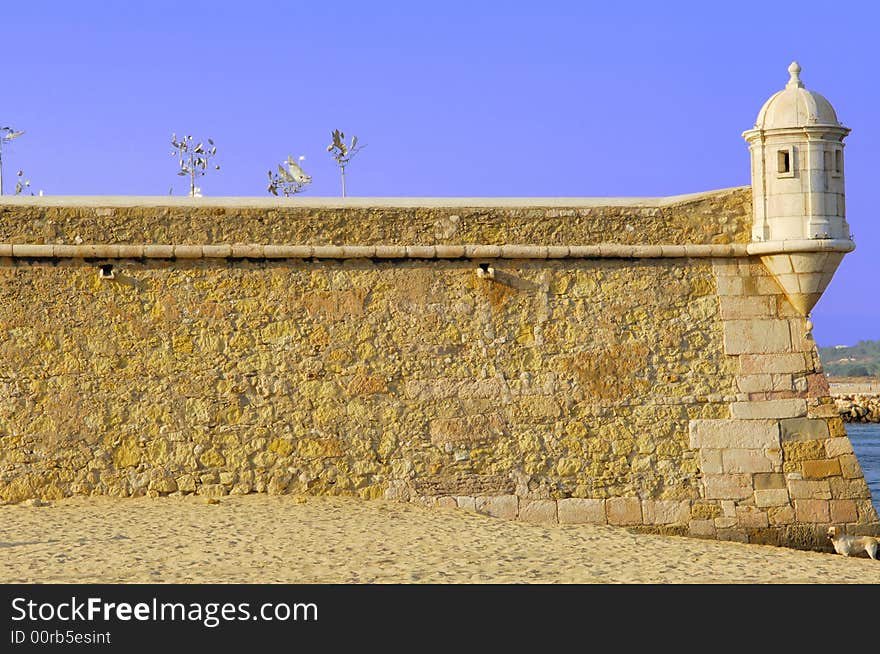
(726, 522)
(822, 411)
(576, 510)
(789, 408)
(776, 383)
(774, 455)
(742, 460)
(803, 429)
(812, 510)
(746, 307)
(867, 512)
(710, 461)
(817, 385)
(781, 363)
(744, 434)
(702, 528)
(849, 489)
(766, 285)
(733, 486)
(780, 515)
(850, 467)
(499, 506)
(835, 447)
(801, 339)
(803, 450)
(756, 336)
(769, 481)
(816, 490)
(623, 510)
(771, 497)
(666, 512)
(733, 535)
(843, 511)
(538, 511)
(821, 468)
(727, 268)
(782, 381)
(703, 510)
(754, 383)
(730, 285)
(751, 517)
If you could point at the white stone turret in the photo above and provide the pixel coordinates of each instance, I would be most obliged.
(798, 189)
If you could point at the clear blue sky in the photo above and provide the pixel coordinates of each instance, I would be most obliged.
(452, 99)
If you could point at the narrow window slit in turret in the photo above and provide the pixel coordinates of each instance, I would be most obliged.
(784, 162)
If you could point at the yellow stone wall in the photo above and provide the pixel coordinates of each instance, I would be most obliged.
(357, 377)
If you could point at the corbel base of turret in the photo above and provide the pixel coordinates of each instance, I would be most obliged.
(803, 276)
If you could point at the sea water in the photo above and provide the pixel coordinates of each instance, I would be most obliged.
(865, 439)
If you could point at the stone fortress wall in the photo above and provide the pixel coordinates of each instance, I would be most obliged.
(616, 361)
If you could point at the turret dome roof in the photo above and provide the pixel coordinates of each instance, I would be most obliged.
(795, 106)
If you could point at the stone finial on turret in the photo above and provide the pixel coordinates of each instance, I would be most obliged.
(795, 71)
(798, 189)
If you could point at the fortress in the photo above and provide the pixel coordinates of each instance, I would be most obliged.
(640, 362)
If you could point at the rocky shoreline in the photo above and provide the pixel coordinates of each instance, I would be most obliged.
(857, 398)
(858, 408)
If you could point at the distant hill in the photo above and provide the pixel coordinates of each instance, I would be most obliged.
(859, 360)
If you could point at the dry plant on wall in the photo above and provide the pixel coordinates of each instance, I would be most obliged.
(22, 184)
(289, 182)
(193, 160)
(7, 134)
(343, 153)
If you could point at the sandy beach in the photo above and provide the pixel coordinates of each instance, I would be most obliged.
(289, 539)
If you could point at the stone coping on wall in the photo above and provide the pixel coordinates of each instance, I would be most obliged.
(73, 201)
(261, 251)
(711, 218)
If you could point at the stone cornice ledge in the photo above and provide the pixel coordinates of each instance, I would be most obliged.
(258, 251)
(802, 245)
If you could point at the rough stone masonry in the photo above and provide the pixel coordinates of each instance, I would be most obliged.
(623, 362)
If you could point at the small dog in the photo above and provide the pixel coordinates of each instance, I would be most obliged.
(849, 545)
